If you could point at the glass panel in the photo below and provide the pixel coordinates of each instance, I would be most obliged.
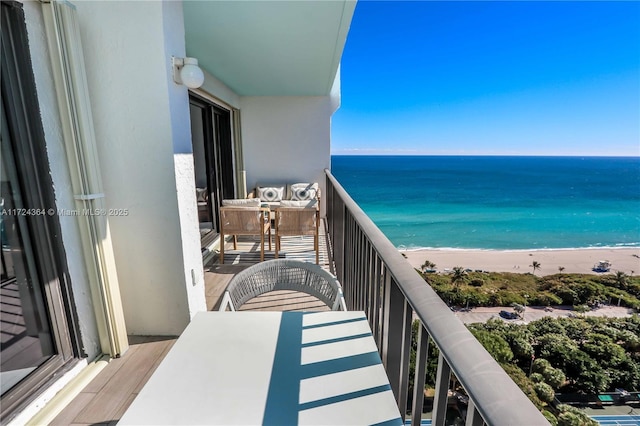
(26, 340)
(203, 192)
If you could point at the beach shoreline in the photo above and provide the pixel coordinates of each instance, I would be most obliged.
(577, 260)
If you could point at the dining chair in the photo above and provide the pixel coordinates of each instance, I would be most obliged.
(244, 221)
(293, 221)
(283, 274)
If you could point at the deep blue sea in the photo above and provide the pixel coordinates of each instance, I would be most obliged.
(497, 203)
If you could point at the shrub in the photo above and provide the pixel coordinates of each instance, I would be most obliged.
(523, 382)
(550, 417)
(474, 297)
(581, 309)
(554, 377)
(521, 347)
(544, 392)
(494, 344)
(540, 365)
(476, 282)
(629, 340)
(508, 298)
(571, 416)
(545, 299)
(536, 378)
(567, 295)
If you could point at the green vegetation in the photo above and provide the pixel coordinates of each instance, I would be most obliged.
(585, 355)
(457, 276)
(569, 355)
(427, 265)
(535, 265)
(462, 288)
(578, 355)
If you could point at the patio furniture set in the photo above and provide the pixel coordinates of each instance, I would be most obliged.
(271, 367)
(291, 210)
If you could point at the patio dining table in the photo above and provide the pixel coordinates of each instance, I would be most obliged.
(271, 368)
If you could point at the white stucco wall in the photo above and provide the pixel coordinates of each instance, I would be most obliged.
(61, 180)
(286, 139)
(142, 128)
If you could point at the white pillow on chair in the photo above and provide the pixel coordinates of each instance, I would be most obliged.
(303, 191)
(270, 193)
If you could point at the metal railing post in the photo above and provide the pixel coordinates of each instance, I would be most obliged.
(441, 397)
(473, 416)
(419, 377)
(396, 345)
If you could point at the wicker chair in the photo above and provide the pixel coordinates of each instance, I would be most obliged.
(244, 221)
(292, 221)
(283, 274)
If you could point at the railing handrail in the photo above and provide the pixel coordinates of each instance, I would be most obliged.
(497, 398)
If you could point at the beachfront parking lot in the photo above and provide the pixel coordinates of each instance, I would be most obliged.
(533, 313)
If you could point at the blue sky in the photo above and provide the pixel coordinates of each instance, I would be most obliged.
(491, 78)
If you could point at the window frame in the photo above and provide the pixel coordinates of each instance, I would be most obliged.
(26, 136)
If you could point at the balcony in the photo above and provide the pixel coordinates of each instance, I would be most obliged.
(376, 279)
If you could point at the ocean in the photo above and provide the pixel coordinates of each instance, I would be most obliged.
(496, 202)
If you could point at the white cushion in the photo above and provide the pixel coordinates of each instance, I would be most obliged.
(270, 193)
(303, 191)
(309, 204)
(242, 202)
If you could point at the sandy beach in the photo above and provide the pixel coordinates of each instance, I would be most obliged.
(519, 261)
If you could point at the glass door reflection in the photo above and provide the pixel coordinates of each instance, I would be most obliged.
(26, 340)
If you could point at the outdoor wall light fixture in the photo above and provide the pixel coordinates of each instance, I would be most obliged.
(186, 71)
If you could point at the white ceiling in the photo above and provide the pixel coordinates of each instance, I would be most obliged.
(269, 48)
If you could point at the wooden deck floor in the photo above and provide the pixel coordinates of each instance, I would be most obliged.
(108, 396)
(217, 276)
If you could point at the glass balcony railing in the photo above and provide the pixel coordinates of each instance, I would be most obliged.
(378, 280)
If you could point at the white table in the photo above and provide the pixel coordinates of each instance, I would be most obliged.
(250, 368)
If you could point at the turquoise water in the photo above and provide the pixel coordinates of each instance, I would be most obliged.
(497, 203)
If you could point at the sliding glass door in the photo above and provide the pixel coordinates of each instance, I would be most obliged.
(213, 162)
(26, 335)
(38, 336)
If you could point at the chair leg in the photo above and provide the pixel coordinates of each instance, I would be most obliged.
(235, 242)
(277, 245)
(269, 239)
(261, 246)
(222, 249)
(316, 247)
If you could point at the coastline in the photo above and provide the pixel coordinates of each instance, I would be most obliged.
(579, 261)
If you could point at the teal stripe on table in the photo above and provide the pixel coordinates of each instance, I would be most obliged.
(344, 397)
(284, 392)
(337, 339)
(392, 422)
(326, 324)
(338, 365)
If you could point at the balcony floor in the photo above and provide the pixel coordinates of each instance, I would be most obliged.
(217, 276)
(108, 396)
(104, 400)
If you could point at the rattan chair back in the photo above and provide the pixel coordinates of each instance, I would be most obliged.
(283, 274)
